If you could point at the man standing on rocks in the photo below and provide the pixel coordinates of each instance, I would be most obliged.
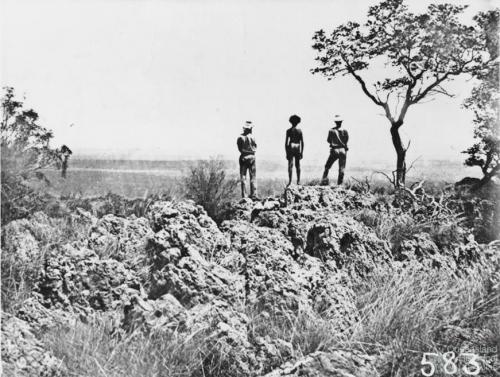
(337, 140)
(294, 147)
(247, 147)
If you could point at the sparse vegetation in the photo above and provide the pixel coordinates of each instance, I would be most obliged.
(207, 184)
(25, 152)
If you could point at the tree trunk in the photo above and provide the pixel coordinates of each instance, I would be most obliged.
(400, 153)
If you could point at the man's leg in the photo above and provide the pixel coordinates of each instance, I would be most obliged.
(342, 162)
(243, 174)
(297, 168)
(331, 159)
(253, 171)
(290, 171)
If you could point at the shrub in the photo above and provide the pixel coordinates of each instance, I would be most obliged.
(25, 152)
(208, 185)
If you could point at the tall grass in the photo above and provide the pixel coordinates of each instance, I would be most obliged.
(20, 276)
(411, 312)
(92, 349)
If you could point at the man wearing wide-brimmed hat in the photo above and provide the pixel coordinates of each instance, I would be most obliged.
(337, 140)
(247, 147)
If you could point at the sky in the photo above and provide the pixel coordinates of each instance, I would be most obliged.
(164, 79)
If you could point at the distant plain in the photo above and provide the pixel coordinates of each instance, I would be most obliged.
(138, 178)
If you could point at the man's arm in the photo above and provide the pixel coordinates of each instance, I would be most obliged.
(346, 137)
(239, 142)
(287, 140)
(301, 143)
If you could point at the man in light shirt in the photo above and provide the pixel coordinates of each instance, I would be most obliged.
(337, 140)
(247, 147)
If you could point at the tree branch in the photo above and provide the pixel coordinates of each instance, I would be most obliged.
(362, 83)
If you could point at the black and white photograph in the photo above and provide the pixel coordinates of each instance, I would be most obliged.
(250, 188)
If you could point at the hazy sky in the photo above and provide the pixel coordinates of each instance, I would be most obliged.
(179, 78)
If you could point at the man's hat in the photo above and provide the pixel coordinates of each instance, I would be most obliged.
(248, 125)
(338, 118)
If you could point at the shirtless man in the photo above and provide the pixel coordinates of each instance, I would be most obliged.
(337, 140)
(294, 147)
(247, 147)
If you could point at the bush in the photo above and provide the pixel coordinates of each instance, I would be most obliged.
(25, 152)
(208, 185)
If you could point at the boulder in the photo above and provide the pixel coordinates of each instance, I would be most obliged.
(23, 355)
(162, 314)
(224, 334)
(123, 239)
(75, 277)
(280, 281)
(193, 281)
(185, 224)
(24, 237)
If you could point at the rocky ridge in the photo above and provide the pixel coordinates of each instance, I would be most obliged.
(176, 270)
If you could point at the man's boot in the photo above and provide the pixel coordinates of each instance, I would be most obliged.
(324, 180)
(253, 190)
(340, 179)
(243, 189)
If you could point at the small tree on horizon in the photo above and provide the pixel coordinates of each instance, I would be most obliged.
(484, 102)
(421, 51)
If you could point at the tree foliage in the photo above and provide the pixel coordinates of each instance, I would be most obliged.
(25, 151)
(421, 52)
(484, 102)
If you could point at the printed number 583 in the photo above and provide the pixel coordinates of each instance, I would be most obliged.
(450, 367)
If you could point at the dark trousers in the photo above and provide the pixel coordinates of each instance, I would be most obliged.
(247, 164)
(336, 154)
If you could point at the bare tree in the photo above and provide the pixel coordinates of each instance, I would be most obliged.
(421, 51)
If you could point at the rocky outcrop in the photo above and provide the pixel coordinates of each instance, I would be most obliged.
(123, 239)
(75, 277)
(22, 354)
(184, 223)
(234, 289)
(193, 281)
(163, 314)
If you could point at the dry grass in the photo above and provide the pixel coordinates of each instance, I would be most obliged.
(19, 276)
(411, 312)
(92, 349)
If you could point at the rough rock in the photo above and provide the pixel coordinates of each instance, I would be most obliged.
(186, 223)
(225, 335)
(334, 198)
(163, 314)
(23, 237)
(41, 318)
(22, 354)
(457, 257)
(193, 281)
(75, 277)
(123, 239)
(280, 281)
(338, 363)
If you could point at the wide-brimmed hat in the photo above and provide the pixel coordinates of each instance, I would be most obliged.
(338, 118)
(248, 125)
